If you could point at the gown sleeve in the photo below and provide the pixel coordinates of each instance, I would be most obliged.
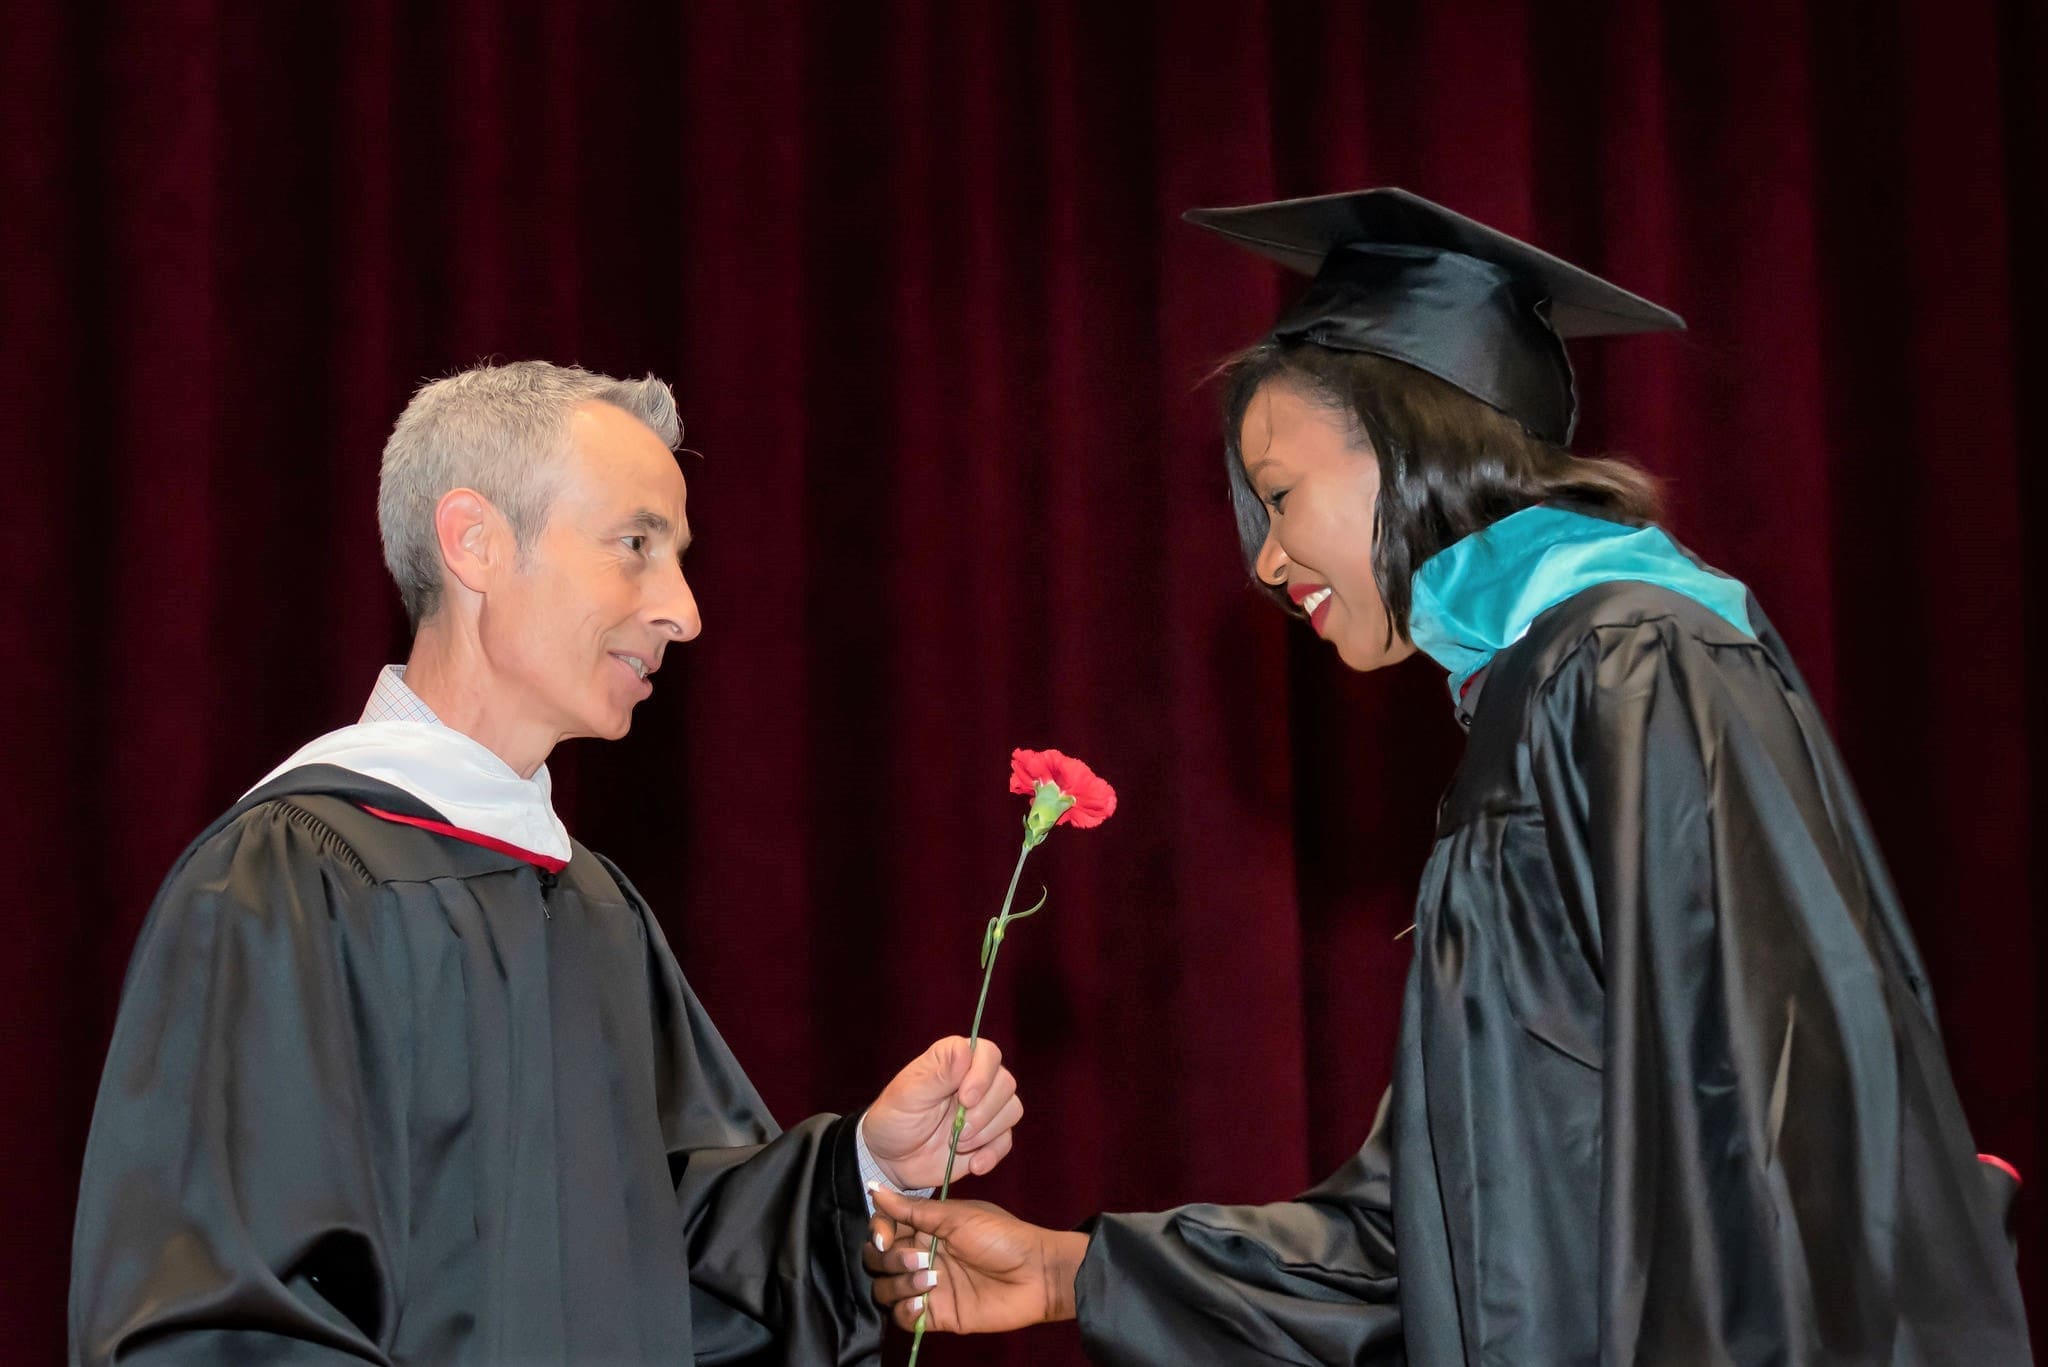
(231, 1208)
(1306, 1281)
(773, 1220)
(774, 1231)
(1755, 1010)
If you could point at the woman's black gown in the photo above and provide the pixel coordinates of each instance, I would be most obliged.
(1669, 1086)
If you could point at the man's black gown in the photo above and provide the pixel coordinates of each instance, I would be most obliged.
(1669, 1087)
(379, 1095)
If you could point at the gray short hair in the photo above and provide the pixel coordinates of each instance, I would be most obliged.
(497, 429)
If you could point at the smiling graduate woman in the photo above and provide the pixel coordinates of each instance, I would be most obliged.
(1669, 1085)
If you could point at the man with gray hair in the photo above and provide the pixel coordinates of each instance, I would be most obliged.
(403, 1072)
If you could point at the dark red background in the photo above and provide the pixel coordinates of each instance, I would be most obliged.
(916, 272)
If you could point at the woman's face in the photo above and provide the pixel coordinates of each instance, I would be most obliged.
(1320, 484)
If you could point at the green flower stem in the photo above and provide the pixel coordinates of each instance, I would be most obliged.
(973, 1038)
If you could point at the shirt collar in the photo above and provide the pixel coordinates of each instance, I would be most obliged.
(401, 742)
(391, 700)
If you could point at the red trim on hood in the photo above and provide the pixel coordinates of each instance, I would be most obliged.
(1995, 1161)
(489, 842)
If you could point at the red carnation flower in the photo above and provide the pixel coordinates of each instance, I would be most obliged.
(1094, 799)
(1062, 790)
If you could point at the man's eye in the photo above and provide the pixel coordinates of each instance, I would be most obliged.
(635, 544)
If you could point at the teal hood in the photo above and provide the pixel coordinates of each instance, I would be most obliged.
(1478, 596)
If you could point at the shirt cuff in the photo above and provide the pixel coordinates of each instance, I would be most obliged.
(871, 1171)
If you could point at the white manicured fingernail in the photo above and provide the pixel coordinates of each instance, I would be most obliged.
(927, 1280)
(874, 1186)
(920, 1260)
(917, 1305)
(880, 1246)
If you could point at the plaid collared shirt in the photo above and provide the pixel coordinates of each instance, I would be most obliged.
(391, 700)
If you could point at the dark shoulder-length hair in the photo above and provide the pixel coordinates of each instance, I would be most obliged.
(1449, 464)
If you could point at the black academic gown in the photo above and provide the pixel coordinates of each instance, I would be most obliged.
(378, 1095)
(1669, 1087)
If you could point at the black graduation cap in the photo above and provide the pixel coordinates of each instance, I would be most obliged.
(1396, 275)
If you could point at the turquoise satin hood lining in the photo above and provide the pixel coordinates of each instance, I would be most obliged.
(1478, 596)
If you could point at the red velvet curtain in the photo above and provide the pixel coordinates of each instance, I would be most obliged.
(916, 271)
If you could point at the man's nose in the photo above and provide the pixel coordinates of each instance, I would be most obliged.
(675, 607)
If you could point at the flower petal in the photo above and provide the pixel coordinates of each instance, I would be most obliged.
(1094, 803)
(1094, 799)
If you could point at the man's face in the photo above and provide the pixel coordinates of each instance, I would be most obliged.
(578, 627)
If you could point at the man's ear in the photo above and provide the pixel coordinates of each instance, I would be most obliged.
(474, 538)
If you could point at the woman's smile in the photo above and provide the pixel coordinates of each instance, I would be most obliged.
(1314, 602)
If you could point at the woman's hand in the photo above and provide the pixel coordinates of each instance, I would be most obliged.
(995, 1272)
